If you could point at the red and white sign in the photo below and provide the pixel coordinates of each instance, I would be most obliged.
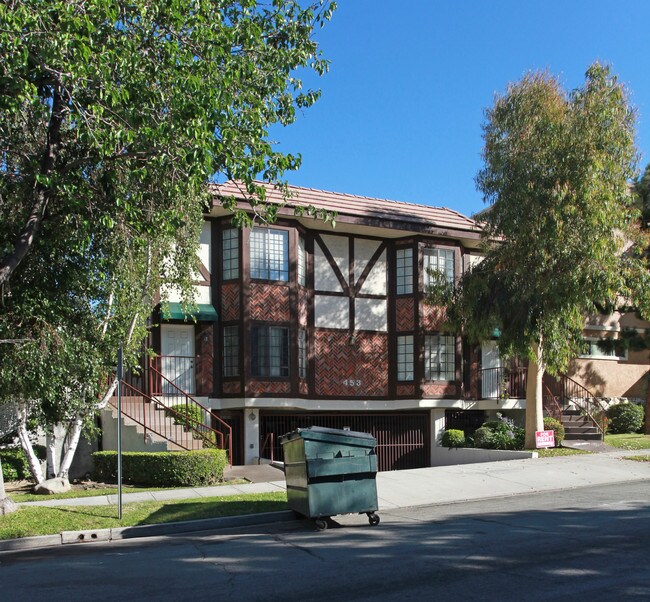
(544, 438)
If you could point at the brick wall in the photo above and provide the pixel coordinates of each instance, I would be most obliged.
(363, 364)
(432, 318)
(262, 387)
(405, 307)
(229, 302)
(405, 390)
(437, 390)
(231, 387)
(269, 302)
(204, 336)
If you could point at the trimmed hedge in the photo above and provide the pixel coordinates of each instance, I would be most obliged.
(15, 466)
(162, 469)
(552, 424)
(625, 418)
(499, 434)
(453, 438)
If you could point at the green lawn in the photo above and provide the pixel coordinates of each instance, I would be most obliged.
(628, 441)
(551, 452)
(39, 520)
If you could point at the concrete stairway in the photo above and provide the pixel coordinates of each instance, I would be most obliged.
(579, 426)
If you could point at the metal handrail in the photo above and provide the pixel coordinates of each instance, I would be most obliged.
(510, 383)
(270, 437)
(198, 428)
(549, 399)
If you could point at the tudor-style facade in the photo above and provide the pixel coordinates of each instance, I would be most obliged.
(322, 325)
(303, 324)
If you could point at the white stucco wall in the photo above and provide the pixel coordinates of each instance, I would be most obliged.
(331, 312)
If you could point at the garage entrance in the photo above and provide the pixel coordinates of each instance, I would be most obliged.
(403, 440)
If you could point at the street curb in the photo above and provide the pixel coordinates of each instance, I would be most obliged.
(122, 533)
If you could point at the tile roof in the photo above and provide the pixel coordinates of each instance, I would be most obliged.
(359, 206)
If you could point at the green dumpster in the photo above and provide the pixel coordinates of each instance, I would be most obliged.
(330, 471)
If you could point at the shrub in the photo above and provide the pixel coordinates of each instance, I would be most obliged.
(625, 418)
(181, 411)
(483, 437)
(551, 424)
(453, 438)
(499, 434)
(163, 469)
(15, 466)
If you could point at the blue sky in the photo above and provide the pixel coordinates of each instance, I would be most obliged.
(401, 111)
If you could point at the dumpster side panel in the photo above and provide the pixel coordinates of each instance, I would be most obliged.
(353, 493)
(295, 470)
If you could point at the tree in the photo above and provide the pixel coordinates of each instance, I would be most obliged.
(556, 175)
(113, 116)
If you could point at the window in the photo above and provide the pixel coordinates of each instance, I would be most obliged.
(270, 351)
(269, 254)
(611, 349)
(302, 354)
(230, 351)
(404, 265)
(230, 254)
(439, 357)
(302, 262)
(405, 357)
(440, 260)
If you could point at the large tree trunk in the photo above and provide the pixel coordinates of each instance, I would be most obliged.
(32, 460)
(647, 406)
(72, 442)
(534, 392)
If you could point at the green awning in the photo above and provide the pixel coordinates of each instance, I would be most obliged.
(496, 333)
(204, 313)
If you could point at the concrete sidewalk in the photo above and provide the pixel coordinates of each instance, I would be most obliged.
(437, 485)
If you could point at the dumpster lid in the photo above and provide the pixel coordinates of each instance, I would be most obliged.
(321, 430)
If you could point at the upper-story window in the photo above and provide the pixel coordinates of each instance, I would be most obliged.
(269, 254)
(404, 268)
(270, 351)
(439, 357)
(231, 351)
(302, 262)
(230, 254)
(439, 260)
(405, 357)
(607, 350)
(302, 353)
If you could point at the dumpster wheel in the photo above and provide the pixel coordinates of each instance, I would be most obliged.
(321, 524)
(373, 519)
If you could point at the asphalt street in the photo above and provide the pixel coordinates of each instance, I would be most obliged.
(586, 543)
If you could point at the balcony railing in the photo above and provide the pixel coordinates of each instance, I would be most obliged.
(502, 383)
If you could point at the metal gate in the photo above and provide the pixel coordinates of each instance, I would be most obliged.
(403, 440)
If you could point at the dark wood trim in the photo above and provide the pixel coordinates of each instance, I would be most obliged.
(352, 304)
(215, 293)
(204, 270)
(294, 327)
(330, 259)
(391, 308)
(245, 298)
(371, 264)
(311, 354)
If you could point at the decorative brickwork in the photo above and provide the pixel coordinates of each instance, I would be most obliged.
(262, 387)
(438, 390)
(204, 358)
(345, 369)
(231, 387)
(405, 307)
(432, 317)
(229, 302)
(303, 388)
(269, 302)
(405, 390)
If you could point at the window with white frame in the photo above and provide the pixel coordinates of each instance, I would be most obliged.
(269, 254)
(302, 262)
(302, 353)
(439, 357)
(230, 351)
(230, 254)
(604, 349)
(270, 351)
(438, 260)
(404, 269)
(405, 357)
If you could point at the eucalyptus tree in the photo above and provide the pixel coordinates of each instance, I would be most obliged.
(556, 175)
(113, 117)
